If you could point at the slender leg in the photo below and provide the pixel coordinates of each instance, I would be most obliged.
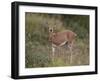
(53, 53)
(70, 48)
(71, 55)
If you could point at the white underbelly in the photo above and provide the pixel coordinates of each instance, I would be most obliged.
(63, 43)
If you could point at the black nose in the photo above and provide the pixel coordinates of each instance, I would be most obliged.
(51, 30)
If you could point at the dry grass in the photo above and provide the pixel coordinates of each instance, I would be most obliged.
(41, 56)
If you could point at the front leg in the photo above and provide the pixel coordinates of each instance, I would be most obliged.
(53, 53)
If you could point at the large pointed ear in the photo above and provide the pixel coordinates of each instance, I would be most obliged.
(55, 28)
(47, 25)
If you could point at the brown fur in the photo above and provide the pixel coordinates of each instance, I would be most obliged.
(60, 37)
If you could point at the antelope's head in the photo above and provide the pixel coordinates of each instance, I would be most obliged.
(52, 33)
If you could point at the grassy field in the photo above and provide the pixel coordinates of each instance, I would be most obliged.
(41, 56)
(38, 52)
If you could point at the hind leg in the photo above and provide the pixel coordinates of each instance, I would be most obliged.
(70, 46)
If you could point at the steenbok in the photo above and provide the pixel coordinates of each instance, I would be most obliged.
(62, 38)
